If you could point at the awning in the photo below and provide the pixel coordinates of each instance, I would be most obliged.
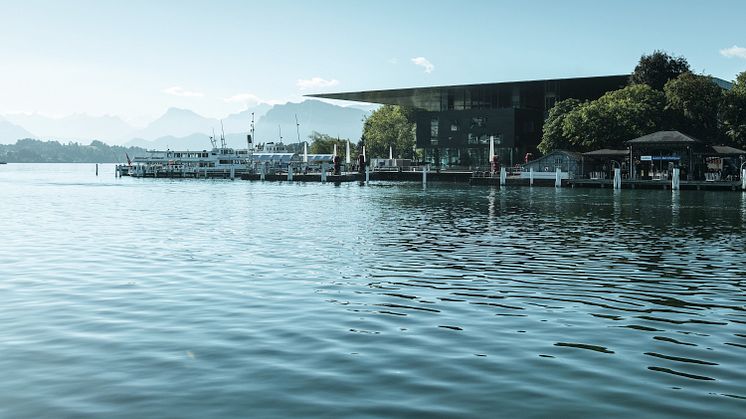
(664, 138)
(606, 153)
(725, 151)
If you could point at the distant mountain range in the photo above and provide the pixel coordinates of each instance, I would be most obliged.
(74, 127)
(10, 132)
(185, 129)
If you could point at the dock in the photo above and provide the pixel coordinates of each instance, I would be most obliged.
(475, 178)
(699, 185)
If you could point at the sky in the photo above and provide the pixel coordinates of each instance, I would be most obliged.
(135, 59)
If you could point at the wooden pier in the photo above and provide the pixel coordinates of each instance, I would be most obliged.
(463, 177)
(698, 185)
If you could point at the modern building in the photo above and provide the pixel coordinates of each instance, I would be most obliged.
(455, 123)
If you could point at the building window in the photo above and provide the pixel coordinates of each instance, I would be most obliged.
(434, 127)
(455, 125)
(478, 122)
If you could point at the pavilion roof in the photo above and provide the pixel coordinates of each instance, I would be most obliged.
(664, 137)
(606, 152)
(724, 150)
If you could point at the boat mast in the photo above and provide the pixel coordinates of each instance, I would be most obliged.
(250, 138)
(222, 136)
(297, 127)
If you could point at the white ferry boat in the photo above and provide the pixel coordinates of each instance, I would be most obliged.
(220, 161)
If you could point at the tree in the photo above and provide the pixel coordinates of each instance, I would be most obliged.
(692, 103)
(324, 144)
(614, 118)
(658, 68)
(36, 151)
(553, 137)
(390, 126)
(733, 112)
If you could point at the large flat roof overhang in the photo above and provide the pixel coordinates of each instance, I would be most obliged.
(429, 98)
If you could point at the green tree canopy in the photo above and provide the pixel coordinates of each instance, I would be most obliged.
(733, 112)
(607, 122)
(658, 68)
(324, 144)
(692, 103)
(36, 151)
(390, 126)
(553, 137)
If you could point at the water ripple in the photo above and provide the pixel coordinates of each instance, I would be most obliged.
(132, 297)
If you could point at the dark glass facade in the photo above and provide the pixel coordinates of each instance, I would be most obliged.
(455, 123)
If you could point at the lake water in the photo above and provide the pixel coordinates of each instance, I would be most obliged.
(198, 298)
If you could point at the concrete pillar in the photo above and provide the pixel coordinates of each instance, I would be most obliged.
(367, 174)
(617, 178)
(558, 178)
(290, 172)
(262, 175)
(531, 176)
(233, 173)
(675, 180)
(424, 175)
(503, 176)
(323, 172)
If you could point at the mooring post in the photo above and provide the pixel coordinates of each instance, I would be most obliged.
(233, 173)
(96, 169)
(531, 176)
(290, 172)
(675, 180)
(558, 178)
(367, 173)
(261, 172)
(323, 172)
(743, 179)
(424, 176)
(617, 178)
(503, 176)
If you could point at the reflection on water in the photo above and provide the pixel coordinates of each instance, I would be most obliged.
(219, 298)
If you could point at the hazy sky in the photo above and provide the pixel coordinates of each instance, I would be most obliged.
(137, 58)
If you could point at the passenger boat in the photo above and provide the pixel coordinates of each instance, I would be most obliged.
(218, 162)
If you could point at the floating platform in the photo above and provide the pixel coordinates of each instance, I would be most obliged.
(311, 177)
(699, 185)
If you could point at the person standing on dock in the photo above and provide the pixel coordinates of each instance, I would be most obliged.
(361, 163)
(495, 164)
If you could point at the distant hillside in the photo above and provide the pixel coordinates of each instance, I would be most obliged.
(313, 115)
(74, 127)
(241, 122)
(178, 123)
(188, 142)
(35, 151)
(186, 129)
(10, 132)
